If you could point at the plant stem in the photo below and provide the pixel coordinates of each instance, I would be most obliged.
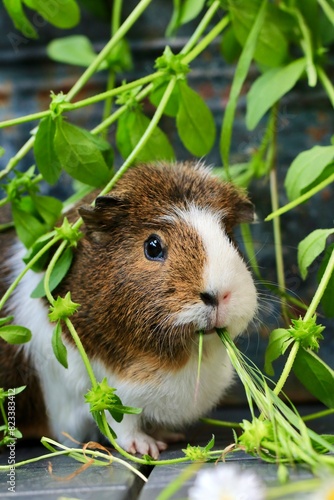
(109, 101)
(123, 29)
(133, 458)
(19, 155)
(190, 56)
(306, 44)
(112, 118)
(201, 27)
(116, 16)
(145, 137)
(12, 287)
(249, 247)
(115, 24)
(69, 106)
(327, 84)
(82, 351)
(321, 288)
(319, 414)
(3, 413)
(278, 239)
(221, 423)
(290, 488)
(271, 159)
(49, 270)
(287, 368)
(301, 199)
(24, 119)
(240, 75)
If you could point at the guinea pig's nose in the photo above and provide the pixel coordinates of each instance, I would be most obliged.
(209, 299)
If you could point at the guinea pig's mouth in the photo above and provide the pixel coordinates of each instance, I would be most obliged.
(206, 332)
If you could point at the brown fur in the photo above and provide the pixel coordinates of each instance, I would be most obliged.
(126, 314)
(123, 319)
(15, 371)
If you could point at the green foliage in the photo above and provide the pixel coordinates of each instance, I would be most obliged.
(59, 13)
(103, 397)
(311, 247)
(75, 49)
(327, 298)
(315, 375)
(302, 174)
(14, 334)
(285, 42)
(269, 88)
(184, 11)
(58, 273)
(58, 346)
(62, 308)
(194, 120)
(80, 154)
(131, 126)
(307, 333)
(195, 453)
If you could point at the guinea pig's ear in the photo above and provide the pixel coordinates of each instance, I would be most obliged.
(245, 211)
(107, 212)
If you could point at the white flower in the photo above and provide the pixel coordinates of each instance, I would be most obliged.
(326, 492)
(227, 482)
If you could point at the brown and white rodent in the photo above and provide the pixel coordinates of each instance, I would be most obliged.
(156, 265)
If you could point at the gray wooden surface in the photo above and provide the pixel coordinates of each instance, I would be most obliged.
(115, 482)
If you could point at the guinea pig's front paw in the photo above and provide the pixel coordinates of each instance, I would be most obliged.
(143, 444)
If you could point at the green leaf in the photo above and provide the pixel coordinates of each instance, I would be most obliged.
(102, 145)
(184, 11)
(36, 247)
(27, 226)
(279, 341)
(14, 334)
(45, 155)
(158, 91)
(59, 272)
(328, 296)
(48, 207)
(311, 247)
(8, 319)
(75, 49)
(79, 155)
(306, 168)
(59, 13)
(240, 75)
(195, 123)
(315, 375)
(131, 127)
(120, 59)
(62, 308)
(58, 346)
(230, 47)
(271, 46)
(269, 88)
(20, 20)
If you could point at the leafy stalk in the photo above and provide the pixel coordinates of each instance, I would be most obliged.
(155, 120)
(120, 33)
(301, 199)
(241, 72)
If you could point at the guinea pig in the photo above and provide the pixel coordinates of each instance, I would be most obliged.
(157, 264)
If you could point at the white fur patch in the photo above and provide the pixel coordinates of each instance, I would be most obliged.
(225, 276)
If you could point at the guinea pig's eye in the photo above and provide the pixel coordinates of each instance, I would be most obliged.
(154, 249)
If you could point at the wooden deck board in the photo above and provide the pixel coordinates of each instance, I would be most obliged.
(115, 482)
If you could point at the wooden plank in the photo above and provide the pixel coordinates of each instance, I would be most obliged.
(34, 481)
